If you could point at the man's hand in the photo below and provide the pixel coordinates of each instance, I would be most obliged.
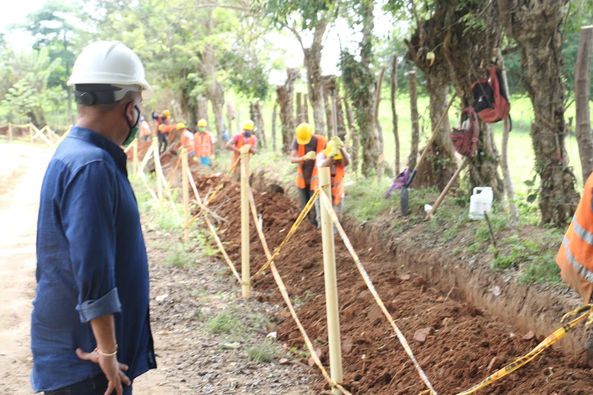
(311, 155)
(113, 370)
(245, 148)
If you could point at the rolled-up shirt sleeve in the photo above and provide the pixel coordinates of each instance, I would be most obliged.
(88, 215)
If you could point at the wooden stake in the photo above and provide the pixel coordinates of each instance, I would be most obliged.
(245, 275)
(331, 284)
(157, 165)
(446, 190)
(185, 189)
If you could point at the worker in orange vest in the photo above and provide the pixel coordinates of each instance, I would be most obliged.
(187, 139)
(203, 144)
(575, 257)
(246, 137)
(161, 122)
(336, 158)
(303, 152)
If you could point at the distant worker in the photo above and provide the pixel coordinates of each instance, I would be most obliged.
(145, 132)
(161, 122)
(203, 144)
(575, 257)
(90, 326)
(246, 137)
(187, 139)
(303, 151)
(337, 159)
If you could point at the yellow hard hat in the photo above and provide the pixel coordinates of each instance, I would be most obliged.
(249, 125)
(161, 127)
(180, 126)
(167, 113)
(202, 123)
(304, 133)
(331, 149)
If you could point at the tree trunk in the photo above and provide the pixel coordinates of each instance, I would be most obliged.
(299, 108)
(230, 116)
(581, 91)
(214, 89)
(504, 161)
(329, 93)
(376, 104)
(306, 108)
(202, 108)
(394, 112)
(285, 101)
(440, 163)
(536, 27)
(256, 117)
(312, 60)
(414, 117)
(274, 115)
(354, 136)
(360, 85)
(338, 101)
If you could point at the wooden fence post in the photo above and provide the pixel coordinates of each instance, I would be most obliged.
(135, 158)
(331, 284)
(185, 173)
(157, 164)
(245, 275)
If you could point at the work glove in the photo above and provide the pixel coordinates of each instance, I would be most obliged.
(333, 152)
(311, 155)
(338, 141)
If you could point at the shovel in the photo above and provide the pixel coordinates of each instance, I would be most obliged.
(404, 196)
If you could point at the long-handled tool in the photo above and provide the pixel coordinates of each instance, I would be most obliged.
(404, 196)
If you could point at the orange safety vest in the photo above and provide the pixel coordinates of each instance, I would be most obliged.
(576, 251)
(168, 128)
(241, 142)
(300, 178)
(187, 141)
(203, 144)
(338, 171)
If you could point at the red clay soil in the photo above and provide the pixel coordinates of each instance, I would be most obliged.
(462, 347)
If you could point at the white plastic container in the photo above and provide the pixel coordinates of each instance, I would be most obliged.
(480, 202)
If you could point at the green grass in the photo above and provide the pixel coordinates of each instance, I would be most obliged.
(178, 255)
(263, 352)
(225, 322)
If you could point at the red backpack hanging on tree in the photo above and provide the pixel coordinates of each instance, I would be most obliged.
(465, 139)
(490, 98)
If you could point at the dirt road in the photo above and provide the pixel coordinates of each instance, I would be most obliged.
(21, 173)
(191, 359)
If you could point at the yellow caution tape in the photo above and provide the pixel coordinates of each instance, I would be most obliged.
(301, 217)
(286, 297)
(586, 312)
(326, 203)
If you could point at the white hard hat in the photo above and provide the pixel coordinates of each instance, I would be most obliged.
(109, 63)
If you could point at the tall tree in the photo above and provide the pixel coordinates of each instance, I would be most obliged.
(581, 92)
(53, 28)
(359, 81)
(474, 22)
(426, 52)
(535, 26)
(310, 16)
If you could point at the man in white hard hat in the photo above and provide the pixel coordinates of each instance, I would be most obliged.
(90, 328)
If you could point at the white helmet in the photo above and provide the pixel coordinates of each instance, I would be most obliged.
(109, 63)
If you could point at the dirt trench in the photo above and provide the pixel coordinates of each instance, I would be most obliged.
(464, 343)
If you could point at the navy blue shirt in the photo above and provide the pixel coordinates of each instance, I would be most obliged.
(91, 262)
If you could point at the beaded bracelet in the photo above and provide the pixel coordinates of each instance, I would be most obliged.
(104, 354)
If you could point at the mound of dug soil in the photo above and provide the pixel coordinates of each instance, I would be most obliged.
(455, 343)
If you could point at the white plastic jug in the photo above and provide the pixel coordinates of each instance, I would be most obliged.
(480, 202)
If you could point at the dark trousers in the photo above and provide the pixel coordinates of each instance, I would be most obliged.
(162, 142)
(304, 196)
(92, 386)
